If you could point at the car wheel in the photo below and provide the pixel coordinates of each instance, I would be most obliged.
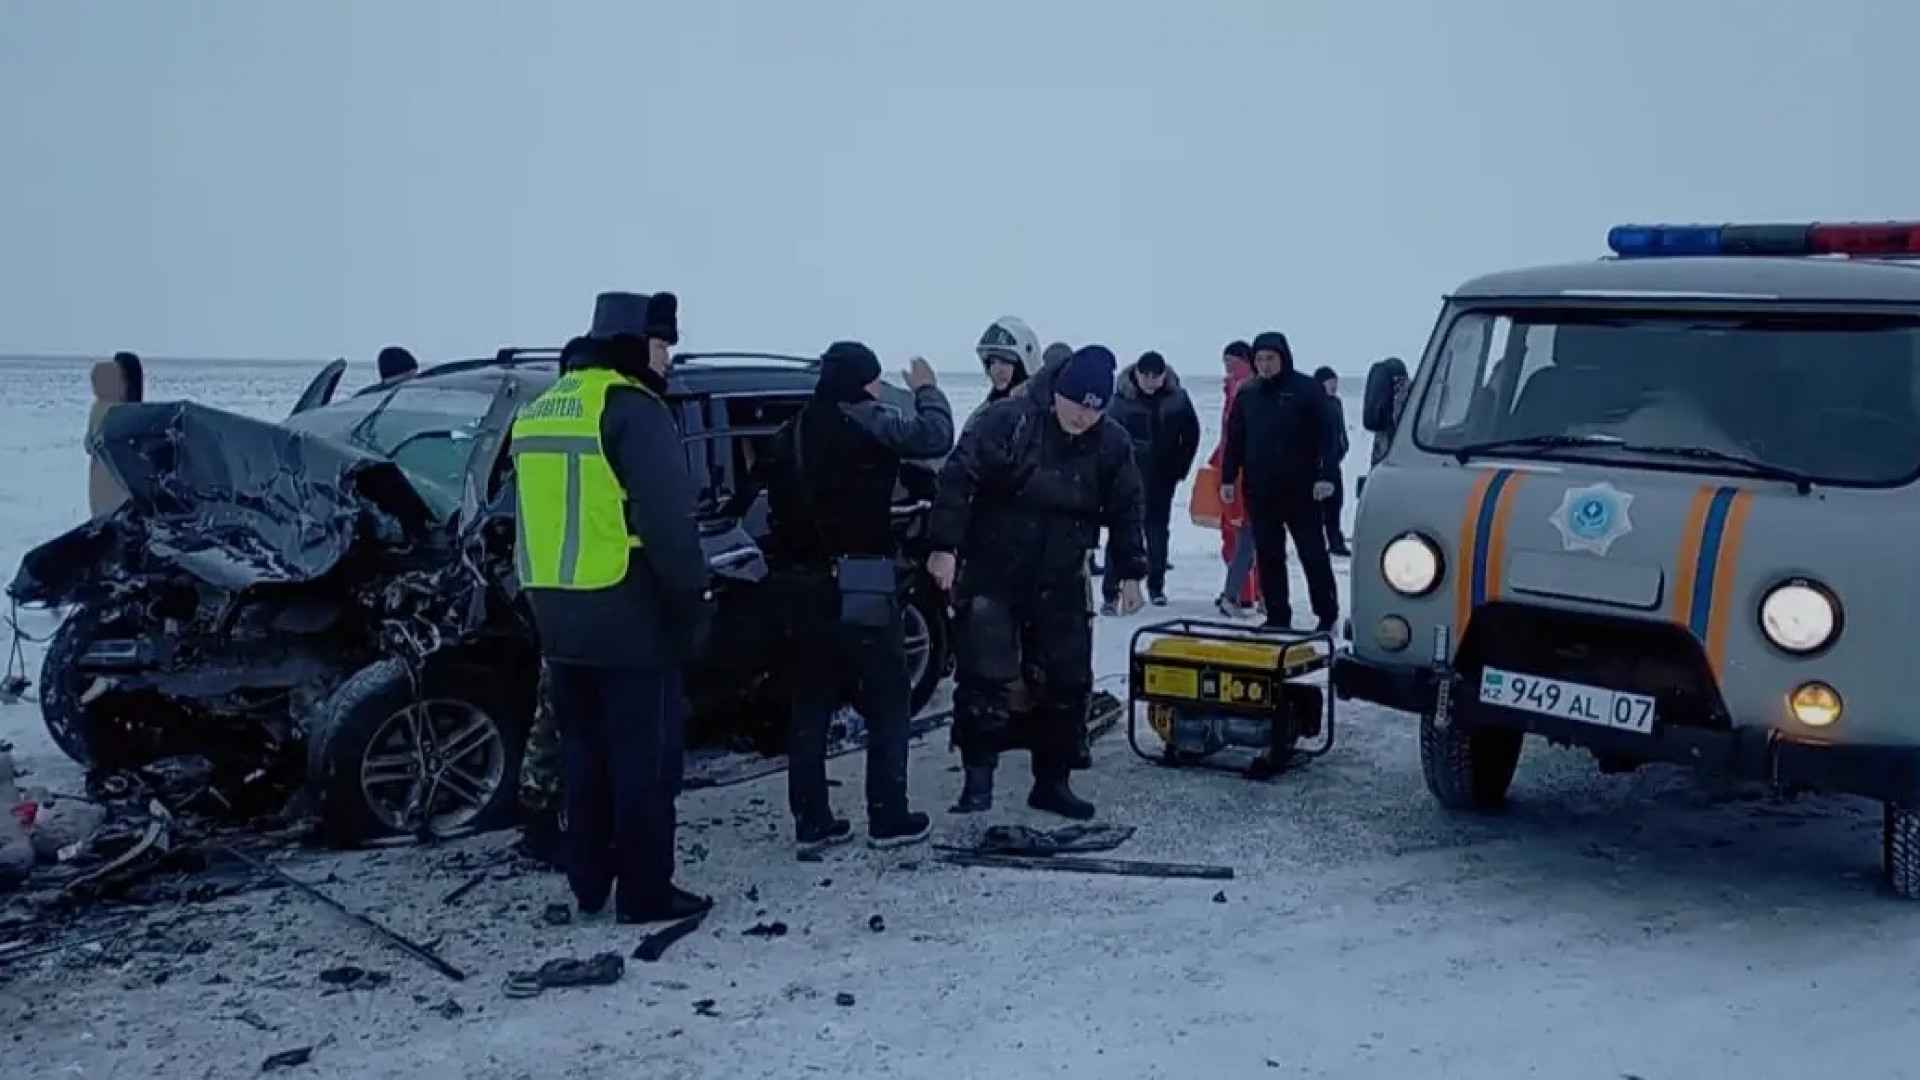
(1468, 768)
(62, 688)
(385, 756)
(924, 621)
(1900, 851)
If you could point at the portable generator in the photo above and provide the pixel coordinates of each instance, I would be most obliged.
(1204, 687)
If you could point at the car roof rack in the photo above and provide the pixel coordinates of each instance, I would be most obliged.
(808, 362)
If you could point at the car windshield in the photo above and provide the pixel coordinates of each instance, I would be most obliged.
(429, 432)
(1829, 398)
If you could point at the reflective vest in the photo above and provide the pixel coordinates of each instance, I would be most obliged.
(573, 531)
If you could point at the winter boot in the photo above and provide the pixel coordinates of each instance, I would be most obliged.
(976, 795)
(1053, 793)
(813, 837)
(898, 830)
(540, 838)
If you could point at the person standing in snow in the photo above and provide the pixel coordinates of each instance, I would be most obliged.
(119, 381)
(830, 475)
(610, 559)
(1019, 502)
(1240, 594)
(1333, 506)
(1159, 418)
(1282, 450)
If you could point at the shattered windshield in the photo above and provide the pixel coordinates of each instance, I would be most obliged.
(1830, 397)
(429, 432)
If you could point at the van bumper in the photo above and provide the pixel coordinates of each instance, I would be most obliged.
(1887, 773)
(1409, 689)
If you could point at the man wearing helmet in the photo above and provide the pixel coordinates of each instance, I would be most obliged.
(1010, 352)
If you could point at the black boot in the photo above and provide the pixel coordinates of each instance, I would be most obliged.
(540, 838)
(1053, 793)
(976, 795)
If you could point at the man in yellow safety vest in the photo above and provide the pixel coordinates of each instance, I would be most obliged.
(610, 558)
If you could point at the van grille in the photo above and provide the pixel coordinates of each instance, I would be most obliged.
(1608, 651)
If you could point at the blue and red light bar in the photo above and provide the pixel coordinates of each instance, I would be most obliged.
(1894, 239)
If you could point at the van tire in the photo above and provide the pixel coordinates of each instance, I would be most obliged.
(1468, 768)
(1900, 851)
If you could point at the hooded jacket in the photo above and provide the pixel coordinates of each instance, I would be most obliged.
(1234, 514)
(657, 613)
(1281, 435)
(1163, 425)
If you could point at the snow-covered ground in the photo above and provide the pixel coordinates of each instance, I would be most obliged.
(1639, 926)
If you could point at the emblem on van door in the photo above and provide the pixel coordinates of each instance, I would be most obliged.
(1591, 518)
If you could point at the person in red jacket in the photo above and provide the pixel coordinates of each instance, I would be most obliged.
(1241, 595)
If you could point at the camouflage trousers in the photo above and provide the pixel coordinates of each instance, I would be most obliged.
(542, 780)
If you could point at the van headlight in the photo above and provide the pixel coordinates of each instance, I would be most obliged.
(1411, 565)
(1799, 617)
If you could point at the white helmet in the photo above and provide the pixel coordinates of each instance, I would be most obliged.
(1012, 339)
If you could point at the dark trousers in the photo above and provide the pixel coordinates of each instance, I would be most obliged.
(623, 735)
(1159, 525)
(1274, 514)
(835, 664)
(1331, 509)
(1044, 636)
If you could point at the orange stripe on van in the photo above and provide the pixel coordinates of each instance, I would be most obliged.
(1686, 565)
(1464, 554)
(1497, 543)
(1726, 562)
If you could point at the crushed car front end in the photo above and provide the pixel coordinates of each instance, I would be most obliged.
(252, 569)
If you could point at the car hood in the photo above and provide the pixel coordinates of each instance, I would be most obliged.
(229, 500)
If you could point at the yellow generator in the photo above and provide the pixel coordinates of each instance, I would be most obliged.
(1204, 687)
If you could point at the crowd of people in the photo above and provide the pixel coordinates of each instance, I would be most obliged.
(1068, 448)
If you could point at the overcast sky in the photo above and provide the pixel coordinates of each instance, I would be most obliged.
(248, 178)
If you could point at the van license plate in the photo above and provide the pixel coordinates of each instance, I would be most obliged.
(1567, 700)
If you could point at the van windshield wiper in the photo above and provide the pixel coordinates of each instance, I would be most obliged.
(1533, 442)
(1763, 469)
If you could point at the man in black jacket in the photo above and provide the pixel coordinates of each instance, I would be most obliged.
(1021, 501)
(1333, 507)
(611, 561)
(1282, 451)
(1160, 419)
(830, 474)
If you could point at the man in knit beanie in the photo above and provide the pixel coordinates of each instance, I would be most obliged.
(1021, 500)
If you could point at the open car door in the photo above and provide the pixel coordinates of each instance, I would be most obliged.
(320, 390)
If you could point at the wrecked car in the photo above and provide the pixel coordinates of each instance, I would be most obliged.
(323, 611)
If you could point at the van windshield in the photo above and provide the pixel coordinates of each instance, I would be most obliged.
(1831, 397)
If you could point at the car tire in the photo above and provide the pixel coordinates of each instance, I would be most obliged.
(60, 706)
(931, 608)
(1900, 851)
(343, 731)
(1468, 768)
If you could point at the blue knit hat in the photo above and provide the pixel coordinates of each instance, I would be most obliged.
(1087, 377)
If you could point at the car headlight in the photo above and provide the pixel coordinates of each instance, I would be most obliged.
(1411, 565)
(1800, 617)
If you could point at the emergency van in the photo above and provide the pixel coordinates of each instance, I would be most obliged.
(1661, 506)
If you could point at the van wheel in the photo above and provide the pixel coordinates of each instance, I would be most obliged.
(1468, 768)
(1900, 851)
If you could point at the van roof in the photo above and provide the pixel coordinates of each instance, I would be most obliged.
(1708, 277)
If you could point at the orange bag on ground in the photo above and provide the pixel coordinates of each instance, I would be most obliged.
(1203, 504)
